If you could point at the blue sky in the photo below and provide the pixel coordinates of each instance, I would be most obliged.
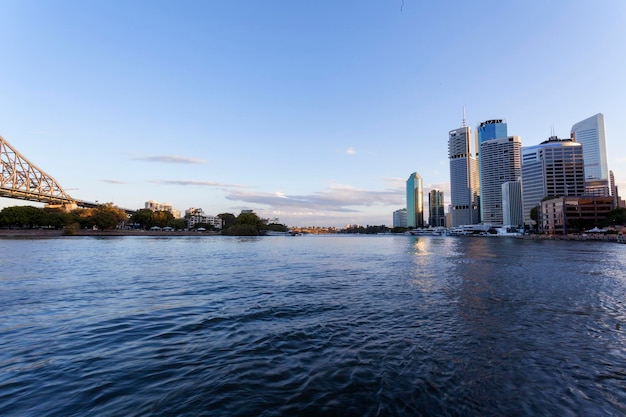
(315, 112)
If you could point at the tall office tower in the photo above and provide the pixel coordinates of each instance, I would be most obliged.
(592, 135)
(553, 168)
(414, 201)
(437, 215)
(512, 208)
(500, 162)
(399, 218)
(464, 182)
(614, 192)
(490, 129)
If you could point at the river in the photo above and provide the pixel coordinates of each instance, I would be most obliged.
(311, 325)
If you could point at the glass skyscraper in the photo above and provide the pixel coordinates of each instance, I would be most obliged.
(437, 215)
(414, 201)
(491, 129)
(591, 134)
(464, 180)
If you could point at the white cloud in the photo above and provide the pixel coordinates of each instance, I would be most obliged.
(337, 199)
(350, 151)
(198, 183)
(109, 181)
(171, 159)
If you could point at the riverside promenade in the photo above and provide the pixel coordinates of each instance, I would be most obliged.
(592, 237)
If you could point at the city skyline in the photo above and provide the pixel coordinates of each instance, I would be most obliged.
(312, 113)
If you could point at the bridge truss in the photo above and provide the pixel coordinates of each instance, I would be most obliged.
(21, 179)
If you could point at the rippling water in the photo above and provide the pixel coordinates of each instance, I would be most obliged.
(307, 325)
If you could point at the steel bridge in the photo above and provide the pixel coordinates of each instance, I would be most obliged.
(23, 180)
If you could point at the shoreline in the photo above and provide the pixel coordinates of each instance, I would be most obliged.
(55, 233)
(45, 233)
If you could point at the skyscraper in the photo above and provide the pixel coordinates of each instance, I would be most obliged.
(464, 182)
(414, 201)
(553, 168)
(437, 215)
(591, 134)
(491, 129)
(614, 192)
(499, 163)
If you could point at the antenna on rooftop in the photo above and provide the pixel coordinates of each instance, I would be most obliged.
(464, 122)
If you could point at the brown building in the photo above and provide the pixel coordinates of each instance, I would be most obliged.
(562, 215)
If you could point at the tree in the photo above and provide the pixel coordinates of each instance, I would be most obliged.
(161, 218)
(178, 224)
(534, 215)
(143, 217)
(206, 226)
(108, 216)
(83, 217)
(616, 217)
(22, 216)
(56, 217)
(228, 219)
(246, 224)
(276, 227)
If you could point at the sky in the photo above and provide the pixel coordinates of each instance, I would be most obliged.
(312, 112)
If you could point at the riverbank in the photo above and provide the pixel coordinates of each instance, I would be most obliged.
(591, 237)
(50, 233)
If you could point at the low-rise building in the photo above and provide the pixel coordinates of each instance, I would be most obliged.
(563, 215)
(156, 206)
(197, 215)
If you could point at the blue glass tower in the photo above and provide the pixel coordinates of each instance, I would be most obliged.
(491, 129)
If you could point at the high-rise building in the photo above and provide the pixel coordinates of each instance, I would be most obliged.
(614, 192)
(499, 163)
(437, 215)
(553, 168)
(464, 179)
(591, 134)
(414, 201)
(400, 218)
(512, 208)
(491, 129)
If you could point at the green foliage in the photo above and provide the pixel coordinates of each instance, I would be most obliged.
(275, 227)
(21, 216)
(108, 216)
(616, 217)
(161, 218)
(534, 214)
(29, 216)
(241, 230)
(249, 219)
(83, 217)
(206, 226)
(246, 224)
(57, 218)
(178, 224)
(228, 219)
(143, 217)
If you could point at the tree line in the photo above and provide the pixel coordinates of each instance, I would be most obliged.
(107, 216)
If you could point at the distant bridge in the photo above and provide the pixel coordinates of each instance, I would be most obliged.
(23, 180)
